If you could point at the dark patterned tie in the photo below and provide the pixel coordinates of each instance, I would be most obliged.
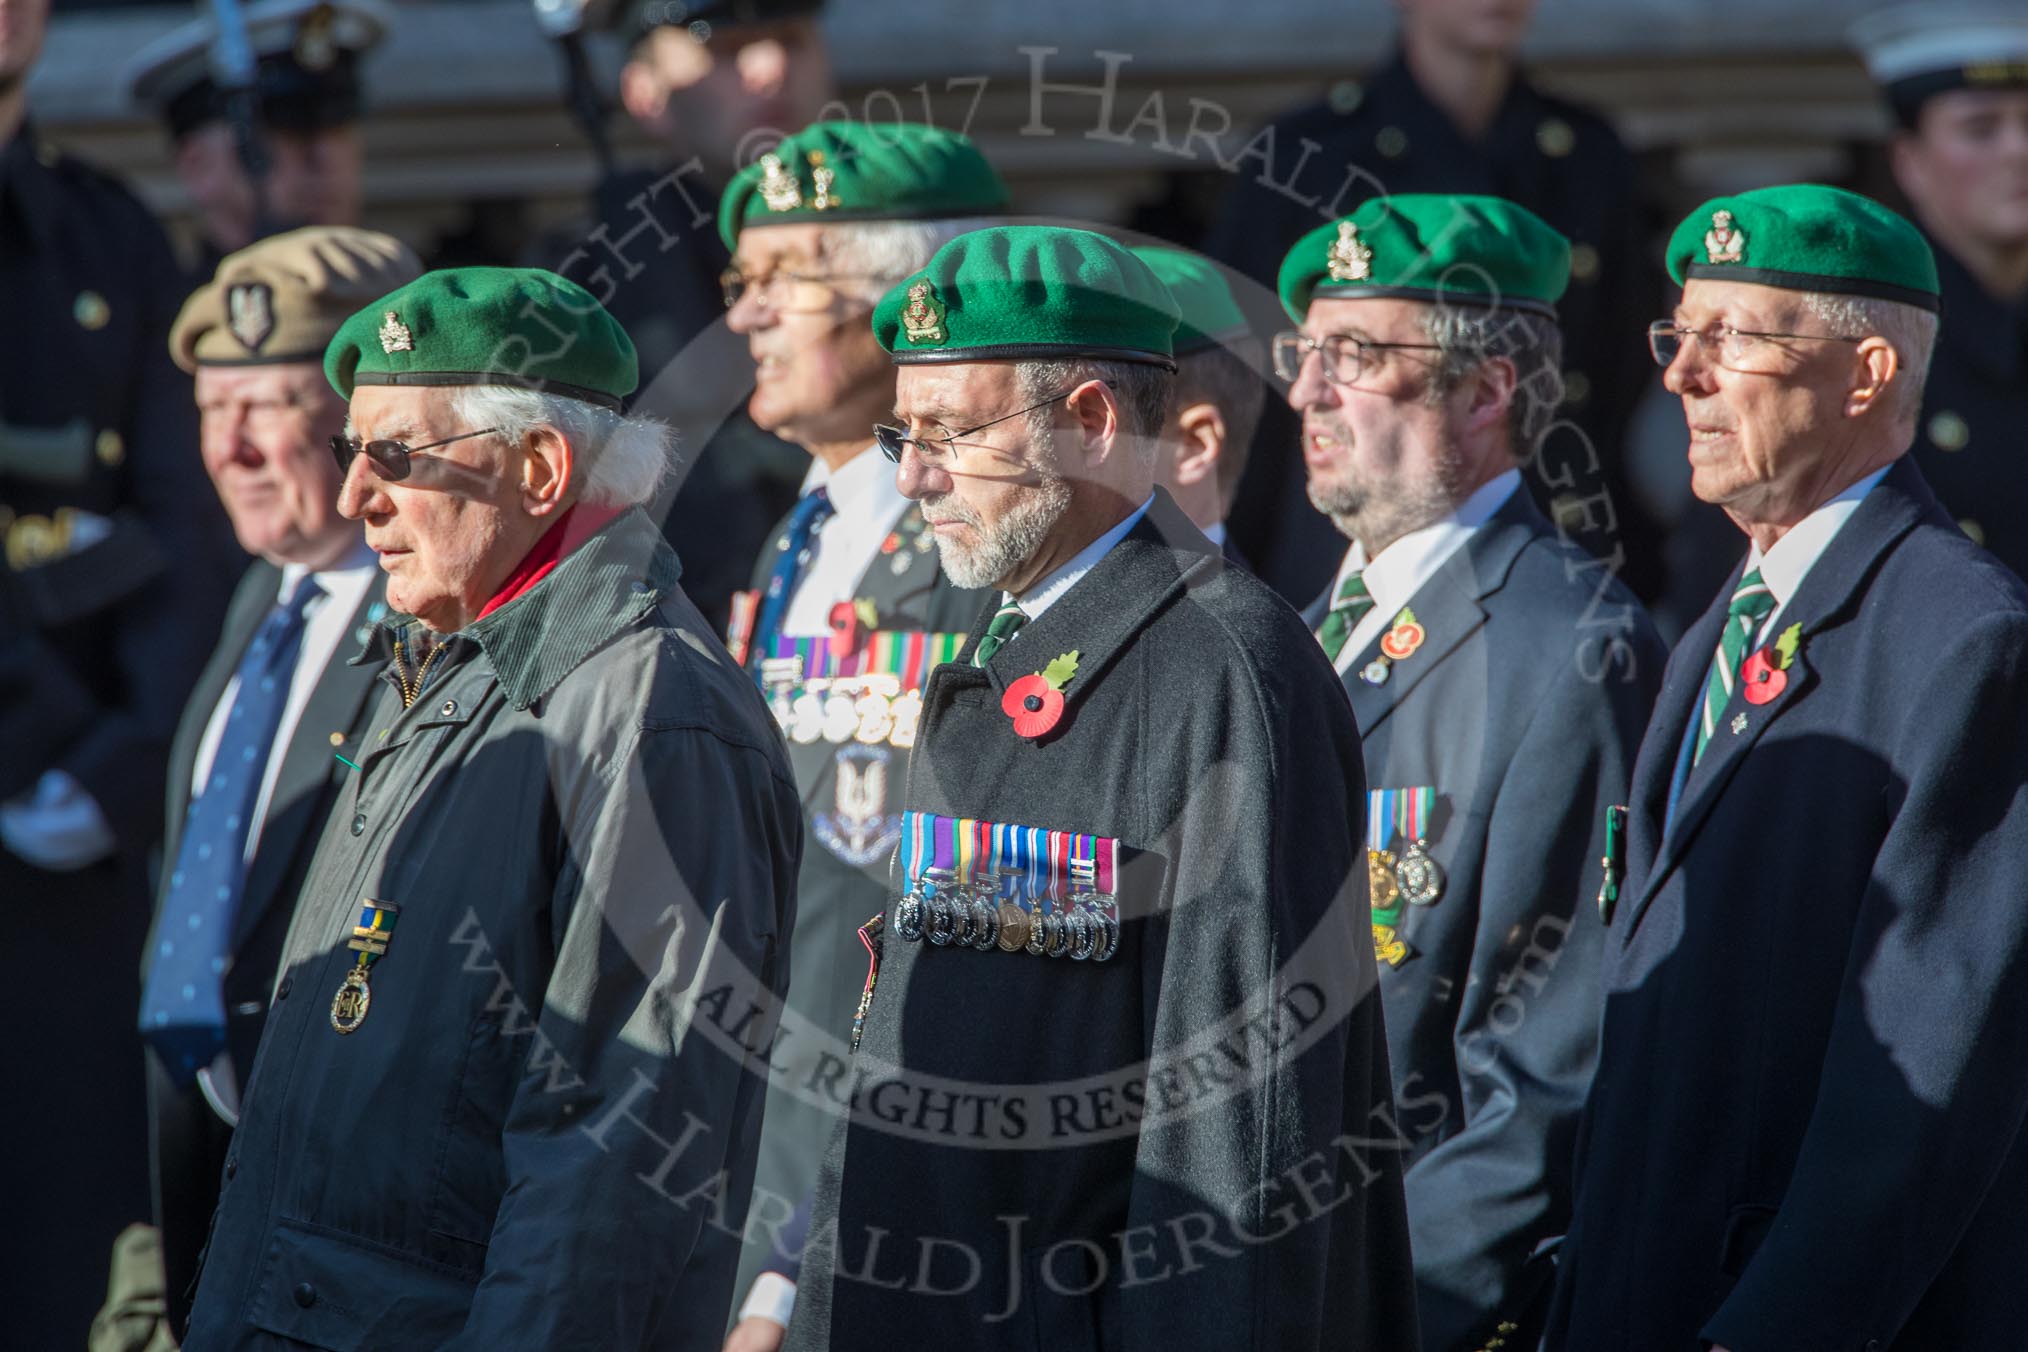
(812, 510)
(1348, 607)
(1006, 621)
(183, 1004)
(1751, 603)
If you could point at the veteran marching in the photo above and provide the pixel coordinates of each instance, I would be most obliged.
(1131, 832)
(1805, 1129)
(491, 1073)
(848, 611)
(1500, 677)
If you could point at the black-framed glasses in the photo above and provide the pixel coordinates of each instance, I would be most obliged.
(1345, 357)
(770, 289)
(894, 441)
(1736, 349)
(390, 458)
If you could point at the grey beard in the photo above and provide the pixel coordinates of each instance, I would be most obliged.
(1007, 546)
(1377, 520)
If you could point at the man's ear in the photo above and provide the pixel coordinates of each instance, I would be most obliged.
(642, 94)
(549, 472)
(1097, 414)
(1490, 393)
(1200, 442)
(1875, 366)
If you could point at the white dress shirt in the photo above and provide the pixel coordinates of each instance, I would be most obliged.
(1397, 574)
(865, 508)
(327, 622)
(1784, 566)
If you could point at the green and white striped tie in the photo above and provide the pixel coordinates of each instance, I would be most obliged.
(1752, 602)
(1006, 620)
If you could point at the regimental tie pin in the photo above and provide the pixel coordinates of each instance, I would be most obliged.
(370, 938)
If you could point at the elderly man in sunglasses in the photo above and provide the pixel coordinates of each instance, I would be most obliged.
(1120, 1064)
(510, 1066)
(1500, 677)
(1806, 1126)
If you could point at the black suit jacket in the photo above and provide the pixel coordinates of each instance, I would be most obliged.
(1187, 1145)
(188, 1138)
(1805, 1129)
(1522, 709)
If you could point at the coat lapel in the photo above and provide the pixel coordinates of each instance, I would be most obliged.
(1834, 584)
(309, 763)
(1447, 607)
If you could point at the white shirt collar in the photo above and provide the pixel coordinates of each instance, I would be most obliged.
(1401, 569)
(1784, 566)
(356, 560)
(1215, 532)
(860, 487)
(1049, 590)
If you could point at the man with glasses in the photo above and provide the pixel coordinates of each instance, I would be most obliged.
(1805, 1129)
(1500, 678)
(281, 684)
(1120, 1073)
(846, 596)
(500, 1089)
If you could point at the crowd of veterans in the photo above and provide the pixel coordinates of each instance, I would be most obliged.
(1000, 797)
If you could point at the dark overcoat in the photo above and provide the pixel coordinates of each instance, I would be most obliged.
(1189, 1145)
(1805, 1129)
(1521, 708)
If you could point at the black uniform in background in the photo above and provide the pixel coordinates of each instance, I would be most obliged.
(1561, 161)
(118, 564)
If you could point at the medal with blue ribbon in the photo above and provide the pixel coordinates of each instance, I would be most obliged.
(1421, 877)
(370, 938)
(1383, 887)
(985, 885)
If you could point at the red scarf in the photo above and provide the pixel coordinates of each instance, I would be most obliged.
(577, 524)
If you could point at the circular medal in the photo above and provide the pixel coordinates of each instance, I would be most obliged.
(1381, 883)
(1374, 672)
(1013, 927)
(907, 714)
(985, 921)
(1039, 929)
(1421, 878)
(1108, 935)
(1082, 935)
(348, 1006)
(1057, 937)
(959, 907)
(938, 926)
(806, 716)
(841, 718)
(908, 917)
(876, 719)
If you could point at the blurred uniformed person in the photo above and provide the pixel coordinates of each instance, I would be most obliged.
(281, 683)
(308, 98)
(117, 564)
(1452, 111)
(1501, 678)
(848, 606)
(1122, 1050)
(715, 83)
(1956, 77)
(1219, 392)
(501, 1074)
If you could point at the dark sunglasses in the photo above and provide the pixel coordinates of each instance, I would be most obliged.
(390, 458)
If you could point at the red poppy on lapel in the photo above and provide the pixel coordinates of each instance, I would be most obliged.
(845, 626)
(1403, 637)
(1761, 677)
(1035, 703)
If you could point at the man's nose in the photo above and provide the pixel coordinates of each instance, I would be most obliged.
(915, 478)
(360, 491)
(1310, 389)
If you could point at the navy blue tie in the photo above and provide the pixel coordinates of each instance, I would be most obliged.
(811, 512)
(183, 1004)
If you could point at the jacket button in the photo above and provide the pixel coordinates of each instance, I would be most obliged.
(359, 824)
(282, 991)
(231, 1165)
(306, 1295)
(450, 708)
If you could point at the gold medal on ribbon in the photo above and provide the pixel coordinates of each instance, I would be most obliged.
(370, 940)
(1381, 883)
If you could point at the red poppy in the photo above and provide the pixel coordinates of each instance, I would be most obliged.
(1033, 704)
(845, 625)
(1762, 676)
(1402, 640)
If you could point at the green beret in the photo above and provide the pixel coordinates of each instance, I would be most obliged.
(487, 326)
(1211, 317)
(1806, 237)
(1448, 247)
(1029, 291)
(857, 171)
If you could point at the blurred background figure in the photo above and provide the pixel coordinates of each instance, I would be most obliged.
(117, 562)
(1452, 111)
(280, 694)
(714, 83)
(1219, 392)
(308, 100)
(1955, 75)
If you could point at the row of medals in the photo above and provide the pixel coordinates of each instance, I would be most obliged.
(865, 709)
(946, 912)
(1415, 877)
